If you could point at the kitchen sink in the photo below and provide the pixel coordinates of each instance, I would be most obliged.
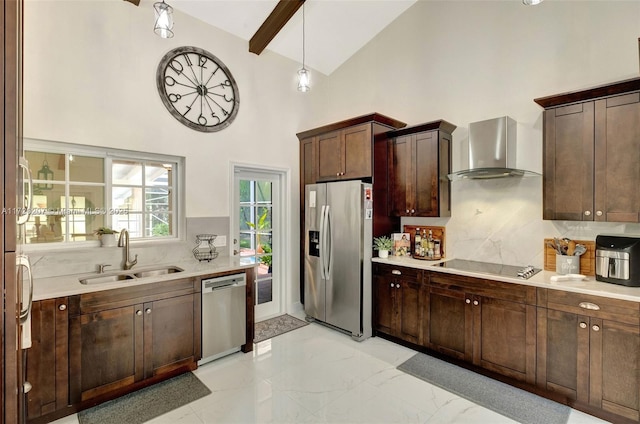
(111, 278)
(158, 271)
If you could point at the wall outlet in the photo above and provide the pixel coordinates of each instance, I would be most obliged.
(220, 241)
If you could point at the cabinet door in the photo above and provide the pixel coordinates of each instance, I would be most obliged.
(169, 334)
(408, 300)
(329, 154)
(504, 336)
(617, 159)
(401, 177)
(383, 298)
(426, 174)
(106, 351)
(356, 152)
(563, 344)
(48, 358)
(568, 162)
(450, 323)
(613, 366)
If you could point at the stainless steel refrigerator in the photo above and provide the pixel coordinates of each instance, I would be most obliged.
(338, 245)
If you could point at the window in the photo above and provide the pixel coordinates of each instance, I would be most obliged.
(78, 189)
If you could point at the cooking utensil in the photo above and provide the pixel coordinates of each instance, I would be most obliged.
(579, 250)
(571, 248)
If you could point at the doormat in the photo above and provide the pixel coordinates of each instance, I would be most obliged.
(275, 326)
(517, 404)
(148, 403)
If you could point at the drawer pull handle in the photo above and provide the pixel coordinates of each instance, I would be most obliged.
(596, 328)
(396, 272)
(148, 311)
(590, 306)
(62, 307)
(138, 312)
(467, 301)
(476, 303)
(583, 325)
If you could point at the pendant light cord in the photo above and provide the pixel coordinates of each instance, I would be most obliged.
(303, 36)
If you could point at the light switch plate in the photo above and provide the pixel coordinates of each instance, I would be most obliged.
(220, 241)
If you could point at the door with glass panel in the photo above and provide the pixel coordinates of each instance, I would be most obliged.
(257, 236)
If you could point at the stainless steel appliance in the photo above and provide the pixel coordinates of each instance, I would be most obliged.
(618, 259)
(489, 268)
(337, 265)
(492, 150)
(224, 312)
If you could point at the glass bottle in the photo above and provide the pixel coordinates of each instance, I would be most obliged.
(417, 243)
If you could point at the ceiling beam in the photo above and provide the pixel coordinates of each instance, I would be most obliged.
(284, 10)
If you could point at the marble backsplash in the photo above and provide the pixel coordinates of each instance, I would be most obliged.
(501, 221)
(67, 261)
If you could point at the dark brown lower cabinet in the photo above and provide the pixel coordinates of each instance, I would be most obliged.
(487, 323)
(589, 351)
(47, 360)
(398, 298)
(120, 338)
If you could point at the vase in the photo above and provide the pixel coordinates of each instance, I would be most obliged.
(383, 254)
(107, 240)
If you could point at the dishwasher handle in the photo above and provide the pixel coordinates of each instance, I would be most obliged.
(221, 283)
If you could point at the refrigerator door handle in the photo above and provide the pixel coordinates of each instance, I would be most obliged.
(326, 261)
(25, 214)
(23, 261)
(322, 249)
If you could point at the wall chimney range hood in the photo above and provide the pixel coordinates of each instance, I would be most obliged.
(492, 151)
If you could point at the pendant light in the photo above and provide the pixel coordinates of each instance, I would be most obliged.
(45, 174)
(164, 19)
(531, 2)
(303, 74)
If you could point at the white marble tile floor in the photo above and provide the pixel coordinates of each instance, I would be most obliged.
(317, 375)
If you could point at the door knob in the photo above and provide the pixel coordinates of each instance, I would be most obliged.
(26, 387)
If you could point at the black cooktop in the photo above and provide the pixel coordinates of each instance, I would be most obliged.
(523, 272)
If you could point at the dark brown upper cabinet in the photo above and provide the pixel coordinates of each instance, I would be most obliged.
(419, 161)
(591, 154)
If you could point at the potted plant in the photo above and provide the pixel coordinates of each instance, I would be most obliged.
(383, 245)
(107, 236)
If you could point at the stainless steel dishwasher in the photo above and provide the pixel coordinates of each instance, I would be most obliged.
(224, 312)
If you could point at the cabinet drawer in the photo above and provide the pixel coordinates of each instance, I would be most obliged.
(595, 306)
(390, 271)
(496, 289)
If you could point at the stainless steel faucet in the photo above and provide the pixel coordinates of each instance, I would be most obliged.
(124, 242)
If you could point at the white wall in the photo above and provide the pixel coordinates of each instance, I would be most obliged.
(465, 61)
(89, 78)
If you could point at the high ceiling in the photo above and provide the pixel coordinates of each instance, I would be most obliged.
(334, 29)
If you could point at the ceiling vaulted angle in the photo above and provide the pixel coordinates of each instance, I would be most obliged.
(278, 18)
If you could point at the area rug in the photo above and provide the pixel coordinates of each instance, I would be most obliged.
(148, 403)
(499, 397)
(275, 326)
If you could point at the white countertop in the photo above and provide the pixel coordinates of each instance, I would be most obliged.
(541, 279)
(68, 285)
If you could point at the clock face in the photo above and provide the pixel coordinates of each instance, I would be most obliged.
(198, 89)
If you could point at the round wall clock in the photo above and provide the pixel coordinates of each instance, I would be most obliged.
(198, 89)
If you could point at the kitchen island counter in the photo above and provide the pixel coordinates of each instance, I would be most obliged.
(542, 279)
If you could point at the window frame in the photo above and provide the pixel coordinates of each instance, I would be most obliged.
(109, 155)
